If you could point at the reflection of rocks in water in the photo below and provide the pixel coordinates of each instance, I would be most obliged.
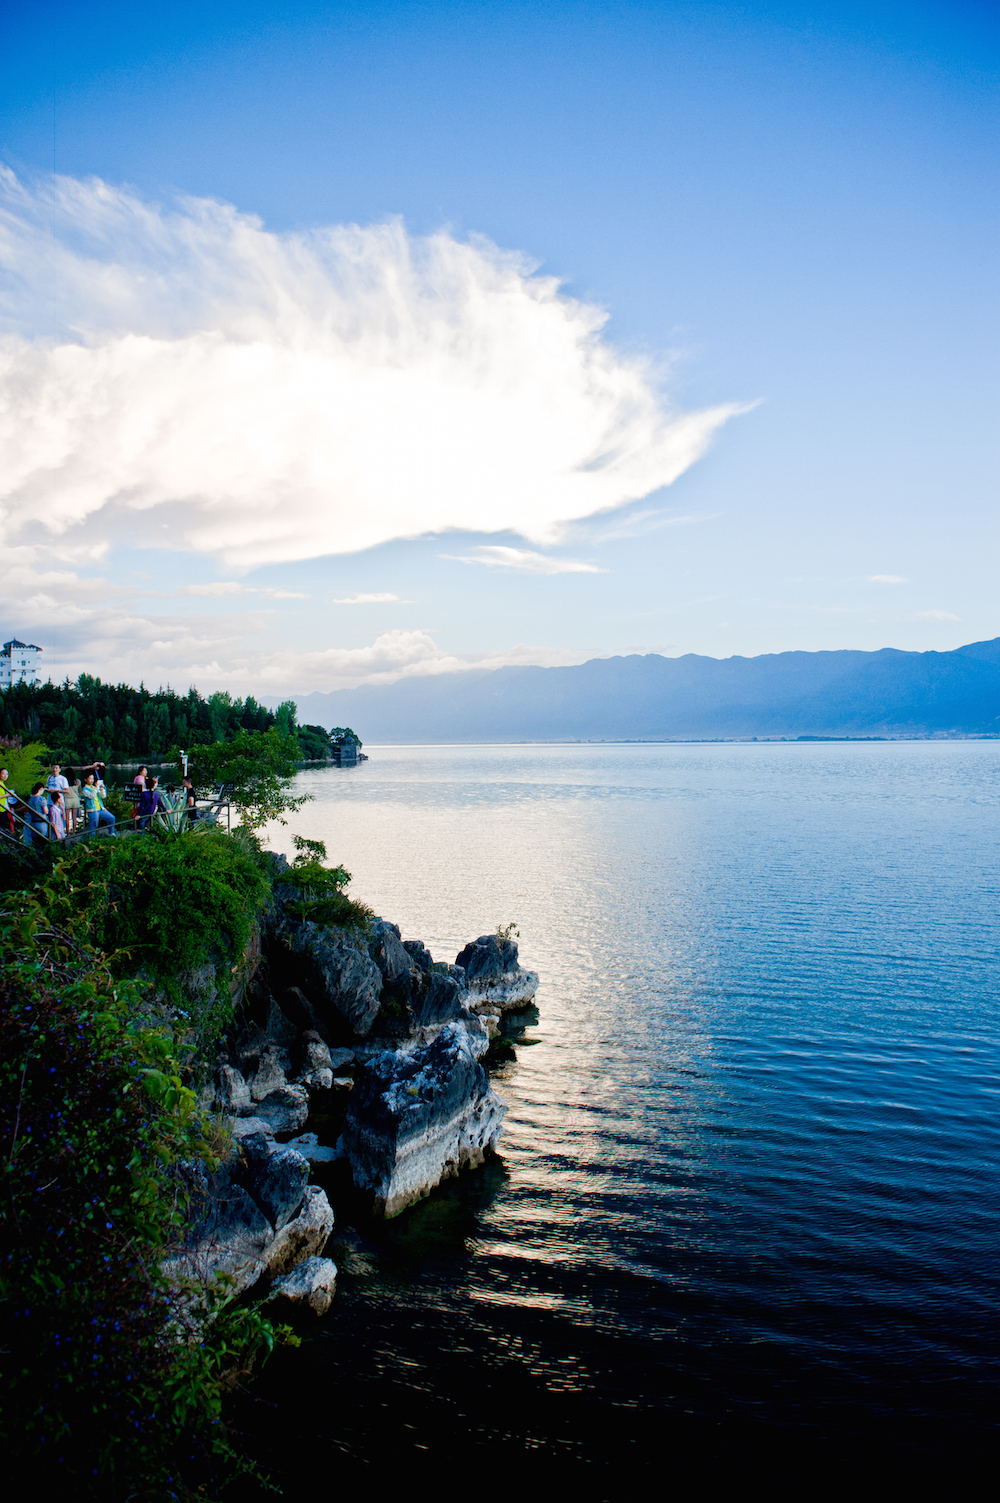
(442, 1227)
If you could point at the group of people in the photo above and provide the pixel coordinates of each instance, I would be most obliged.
(65, 803)
(151, 801)
(58, 806)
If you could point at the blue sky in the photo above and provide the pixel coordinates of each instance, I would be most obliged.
(788, 214)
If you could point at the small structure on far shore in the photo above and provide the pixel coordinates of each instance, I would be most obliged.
(345, 748)
(18, 663)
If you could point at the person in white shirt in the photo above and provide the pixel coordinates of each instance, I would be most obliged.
(56, 780)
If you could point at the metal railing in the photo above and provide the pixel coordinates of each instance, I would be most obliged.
(31, 829)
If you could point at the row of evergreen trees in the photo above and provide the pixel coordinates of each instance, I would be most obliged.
(91, 721)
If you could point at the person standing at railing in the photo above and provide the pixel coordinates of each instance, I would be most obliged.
(94, 805)
(150, 802)
(7, 798)
(190, 800)
(57, 815)
(36, 821)
(71, 801)
(56, 780)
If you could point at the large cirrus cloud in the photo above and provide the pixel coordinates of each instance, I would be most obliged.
(299, 394)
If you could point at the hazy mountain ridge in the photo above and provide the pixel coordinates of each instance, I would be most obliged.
(847, 693)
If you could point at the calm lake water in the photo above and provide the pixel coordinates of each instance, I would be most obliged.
(747, 1202)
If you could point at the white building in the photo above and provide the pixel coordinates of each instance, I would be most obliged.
(18, 663)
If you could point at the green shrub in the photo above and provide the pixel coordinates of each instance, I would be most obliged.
(166, 905)
(173, 902)
(27, 765)
(323, 898)
(119, 806)
(106, 1390)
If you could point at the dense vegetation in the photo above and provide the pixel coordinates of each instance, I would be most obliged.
(91, 721)
(115, 1382)
(109, 1386)
(170, 906)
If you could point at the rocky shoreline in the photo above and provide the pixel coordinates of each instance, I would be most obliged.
(351, 1051)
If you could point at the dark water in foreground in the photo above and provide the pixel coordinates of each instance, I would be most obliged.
(747, 1207)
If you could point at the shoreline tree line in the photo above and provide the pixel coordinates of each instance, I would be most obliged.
(90, 721)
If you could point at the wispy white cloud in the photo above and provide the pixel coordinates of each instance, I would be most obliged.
(383, 599)
(637, 523)
(86, 626)
(885, 579)
(222, 589)
(219, 589)
(286, 396)
(937, 616)
(398, 654)
(523, 559)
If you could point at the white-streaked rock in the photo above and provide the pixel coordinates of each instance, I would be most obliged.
(495, 981)
(417, 1116)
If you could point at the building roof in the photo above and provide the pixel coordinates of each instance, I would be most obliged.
(15, 644)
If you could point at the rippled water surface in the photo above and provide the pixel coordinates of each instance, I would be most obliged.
(747, 1198)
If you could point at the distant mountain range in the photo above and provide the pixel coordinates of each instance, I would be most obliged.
(886, 693)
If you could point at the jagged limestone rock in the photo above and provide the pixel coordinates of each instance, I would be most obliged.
(270, 1076)
(317, 1070)
(245, 1127)
(274, 1177)
(339, 977)
(231, 1235)
(436, 998)
(228, 1233)
(311, 1284)
(232, 1094)
(417, 1116)
(305, 1236)
(286, 1109)
(496, 982)
(416, 995)
(420, 1109)
(387, 950)
(419, 954)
